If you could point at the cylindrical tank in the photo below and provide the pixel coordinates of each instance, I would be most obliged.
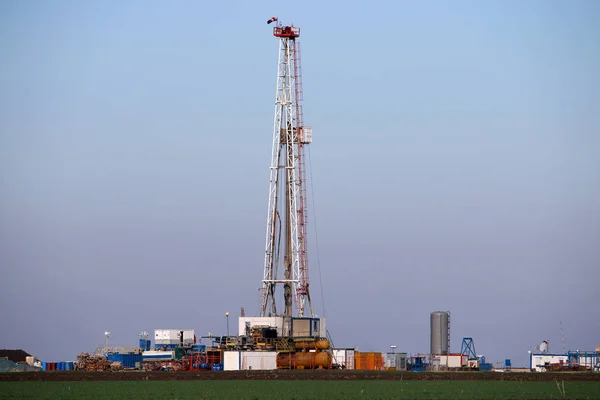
(284, 360)
(304, 360)
(319, 344)
(311, 359)
(322, 359)
(439, 332)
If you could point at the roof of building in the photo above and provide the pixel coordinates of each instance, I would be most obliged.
(14, 355)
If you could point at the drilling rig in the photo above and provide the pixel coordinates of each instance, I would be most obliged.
(289, 328)
(286, 216)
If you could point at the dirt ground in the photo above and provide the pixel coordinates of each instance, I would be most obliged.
(293, 375)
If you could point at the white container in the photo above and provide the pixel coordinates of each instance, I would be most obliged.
(174, 336)
(538, 361)
(258, 360)
(451, 360)
(231, 361)
(344, 358)
(188, 337)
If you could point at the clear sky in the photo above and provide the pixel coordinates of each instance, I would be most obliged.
(455, 166)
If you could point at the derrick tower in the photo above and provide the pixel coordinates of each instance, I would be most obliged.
(286, 216)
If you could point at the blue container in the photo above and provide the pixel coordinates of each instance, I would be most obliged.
(145, 344)
(485, 367)
(127, 360)
(217, 367)
(44, 365)
(59, 366)
(199, 348)
(71, 365)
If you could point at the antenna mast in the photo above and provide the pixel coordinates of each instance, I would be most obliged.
(286, 214)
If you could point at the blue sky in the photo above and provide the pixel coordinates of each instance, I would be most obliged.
(454, 164)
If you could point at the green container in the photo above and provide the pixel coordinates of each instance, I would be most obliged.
(179, 353)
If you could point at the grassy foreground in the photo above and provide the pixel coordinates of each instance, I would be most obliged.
(298, 390)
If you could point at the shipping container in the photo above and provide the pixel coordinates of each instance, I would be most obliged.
(343, 358)
(539, 362)
(258, 360)
(368, 361)
(231, 361)
(451, 360)
(395, 361)
(126, 360)
(184, 337)
(306, 327)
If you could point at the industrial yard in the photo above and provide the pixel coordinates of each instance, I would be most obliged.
(287, 347)
(287, 335)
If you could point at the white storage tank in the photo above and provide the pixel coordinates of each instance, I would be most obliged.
(440, 332)
(158, 355)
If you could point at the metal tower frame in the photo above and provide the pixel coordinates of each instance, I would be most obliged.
(468, 348)
(287, 180)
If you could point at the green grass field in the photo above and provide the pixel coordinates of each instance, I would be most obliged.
(297, 390)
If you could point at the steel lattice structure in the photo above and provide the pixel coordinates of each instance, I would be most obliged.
(286, 214)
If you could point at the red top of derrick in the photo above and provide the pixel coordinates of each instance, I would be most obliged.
(286, 31)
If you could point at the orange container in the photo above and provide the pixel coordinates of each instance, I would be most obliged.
(368, 361)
